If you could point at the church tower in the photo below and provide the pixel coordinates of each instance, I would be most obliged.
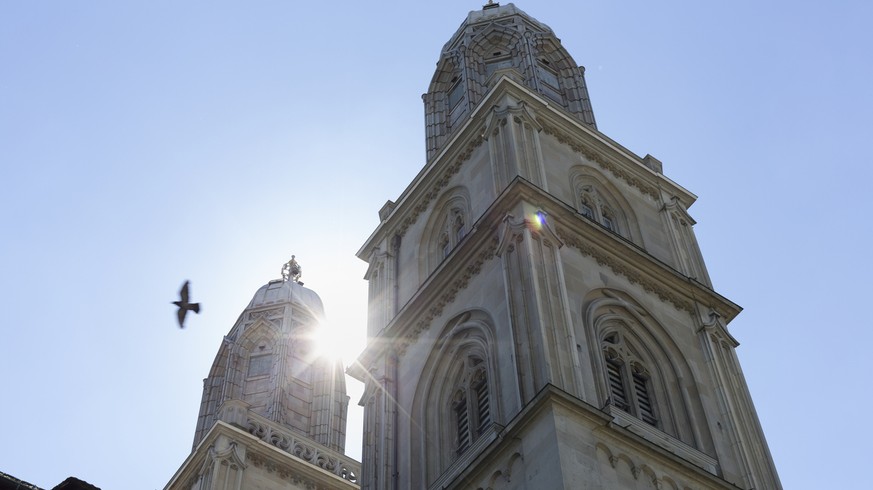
(540, 314)
(274, 411)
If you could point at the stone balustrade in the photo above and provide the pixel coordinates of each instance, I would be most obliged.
(309, 451)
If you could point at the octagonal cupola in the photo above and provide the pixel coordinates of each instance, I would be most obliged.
(498, 41)
(268, 373)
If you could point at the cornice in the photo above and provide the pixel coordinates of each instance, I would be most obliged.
(620, 267)
(481, 245)
(607, 432)
(437, 173)
(439, 184)
(620, 255)
(603, 161)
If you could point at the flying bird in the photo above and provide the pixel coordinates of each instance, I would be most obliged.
(184, 305)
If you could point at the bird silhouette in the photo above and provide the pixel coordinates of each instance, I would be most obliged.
(184, 305)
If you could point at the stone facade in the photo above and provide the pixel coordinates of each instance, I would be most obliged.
(273, 413)
(540, 312)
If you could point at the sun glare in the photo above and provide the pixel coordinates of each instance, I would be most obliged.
(324, 342)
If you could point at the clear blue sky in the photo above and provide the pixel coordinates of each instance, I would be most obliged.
(145, 143)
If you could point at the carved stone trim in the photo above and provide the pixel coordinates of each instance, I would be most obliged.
(718, 332)
(520, 113)
(268, 314)
(604, 163)
(438, 186)
(308, 451)
(284, 473)
(640, 467)
(448, 296)
(632, 275)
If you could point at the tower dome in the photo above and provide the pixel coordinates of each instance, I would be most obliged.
(279, 291)
(268, 376)
(498, 41)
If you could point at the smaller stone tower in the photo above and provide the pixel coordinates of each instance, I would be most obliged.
(271, 400)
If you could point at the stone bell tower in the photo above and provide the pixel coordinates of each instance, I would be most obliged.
(540, 314)
(273, 413)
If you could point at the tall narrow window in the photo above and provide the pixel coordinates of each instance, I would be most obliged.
(615, 377)
(456, 94)
(259, 365)
(549, 84)
(462, 421)
(586, 210)
(451, 229)
(608, 223)
(445, 245)
(459, 228)
(471, 404)
(628, 381)
(646, 411)
(483, 403)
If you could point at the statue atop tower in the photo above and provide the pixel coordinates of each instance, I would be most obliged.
(291, 270)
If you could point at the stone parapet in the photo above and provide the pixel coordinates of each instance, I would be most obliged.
(303, 448)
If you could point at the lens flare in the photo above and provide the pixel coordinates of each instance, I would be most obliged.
(537, 221)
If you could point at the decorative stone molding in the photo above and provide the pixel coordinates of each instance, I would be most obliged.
(267, 314)
(512, 228)
(637, 468)
(632, 275)
(447, 297)
(309, 451)
(234, 412)
(438, 186)
(602, 161)
(504, 474)
(717, 331)
(498, 117)
(229, 457)
(465, 459)
(284, 473)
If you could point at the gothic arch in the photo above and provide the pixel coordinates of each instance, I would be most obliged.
(496, 47)
(465, 340)
(672, 381)
(591, 188)
(448, 90)
(554, 70)
(448, 68)
(449, 222)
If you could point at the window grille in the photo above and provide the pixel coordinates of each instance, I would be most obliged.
(616, 384)
(483, 403)
(472, 404)
(627, 381)
(463, 425)
(644, 402)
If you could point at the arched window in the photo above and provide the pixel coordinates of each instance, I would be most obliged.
(471, 404)
(452, 230)
(457, 399)
(549, 80)
(459, 227)
(628, 380)
(593, 206)
(447, 226)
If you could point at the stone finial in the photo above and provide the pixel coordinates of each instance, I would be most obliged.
(291, 270)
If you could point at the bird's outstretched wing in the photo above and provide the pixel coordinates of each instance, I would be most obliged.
(181, 313)
(183, 293)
